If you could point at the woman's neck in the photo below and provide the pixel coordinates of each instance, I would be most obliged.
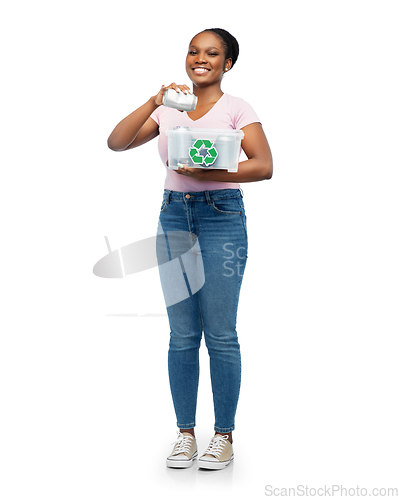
(207, 95)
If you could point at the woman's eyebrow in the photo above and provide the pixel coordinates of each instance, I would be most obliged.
(208, 48)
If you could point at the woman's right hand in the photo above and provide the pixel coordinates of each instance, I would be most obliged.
(179, 88)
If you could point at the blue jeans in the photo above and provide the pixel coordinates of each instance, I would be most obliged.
(217, 221)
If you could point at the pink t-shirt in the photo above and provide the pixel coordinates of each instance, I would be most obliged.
(228, 112)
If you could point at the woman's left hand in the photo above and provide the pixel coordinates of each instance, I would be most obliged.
(194, 173)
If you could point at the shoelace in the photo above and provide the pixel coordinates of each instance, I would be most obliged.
(217, 445)
(182, 444)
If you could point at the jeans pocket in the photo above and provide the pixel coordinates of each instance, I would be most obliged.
(227, 206)
(163, 206)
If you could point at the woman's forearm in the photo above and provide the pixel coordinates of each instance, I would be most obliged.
(248, 171)
(127, 130)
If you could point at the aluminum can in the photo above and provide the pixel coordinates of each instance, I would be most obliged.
(179, 100)
(182, 143)
(225, 145)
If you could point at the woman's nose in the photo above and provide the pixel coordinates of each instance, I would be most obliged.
(201, 58)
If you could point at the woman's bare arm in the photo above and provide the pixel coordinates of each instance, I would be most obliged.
(138, 128)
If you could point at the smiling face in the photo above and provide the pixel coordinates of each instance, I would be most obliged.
(205, 61)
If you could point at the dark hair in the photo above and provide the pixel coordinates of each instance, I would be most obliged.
(230, 43)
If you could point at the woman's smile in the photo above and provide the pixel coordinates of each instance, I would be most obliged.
(200, 70)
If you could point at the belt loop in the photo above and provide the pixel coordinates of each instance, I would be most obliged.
(167, 197)
(208, 197)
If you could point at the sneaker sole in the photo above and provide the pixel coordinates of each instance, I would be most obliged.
(181, 464)
(205, 464)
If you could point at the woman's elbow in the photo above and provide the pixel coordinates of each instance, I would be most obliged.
(113, 145)
(269, 174)
(267, 170)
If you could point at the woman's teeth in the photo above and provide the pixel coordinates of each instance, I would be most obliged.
(200, 71)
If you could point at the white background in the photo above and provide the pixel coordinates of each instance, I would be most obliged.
(86, 408)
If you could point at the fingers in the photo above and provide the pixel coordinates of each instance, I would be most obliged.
(179, 88)
(181, 169)
(185, 170)
(158, 98)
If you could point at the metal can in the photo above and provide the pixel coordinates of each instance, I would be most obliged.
(179, 100)
(226, 151)
(181, 144)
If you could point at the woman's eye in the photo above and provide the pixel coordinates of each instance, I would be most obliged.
(193, 53)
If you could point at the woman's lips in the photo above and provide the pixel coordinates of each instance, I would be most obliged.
(200, 71)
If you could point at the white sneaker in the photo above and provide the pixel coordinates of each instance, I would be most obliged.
(218, 455)
(184, 451)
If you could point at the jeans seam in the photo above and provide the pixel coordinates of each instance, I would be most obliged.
(227, 211)
(223, 212)
(188, 218)
(218, 429)
(200, 314)
(185, 426)
(197, 220)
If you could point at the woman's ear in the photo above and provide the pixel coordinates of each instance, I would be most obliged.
(227, 65)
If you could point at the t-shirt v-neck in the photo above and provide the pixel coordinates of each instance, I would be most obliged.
(207, 113)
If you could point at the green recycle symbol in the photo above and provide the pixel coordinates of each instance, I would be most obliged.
(203, 151)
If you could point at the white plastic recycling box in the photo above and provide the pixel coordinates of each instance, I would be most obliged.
(204, 148)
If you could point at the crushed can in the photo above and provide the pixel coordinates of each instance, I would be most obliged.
(179, 100)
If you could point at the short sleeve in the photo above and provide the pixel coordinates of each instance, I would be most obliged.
(243, 114)
(155, 115)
